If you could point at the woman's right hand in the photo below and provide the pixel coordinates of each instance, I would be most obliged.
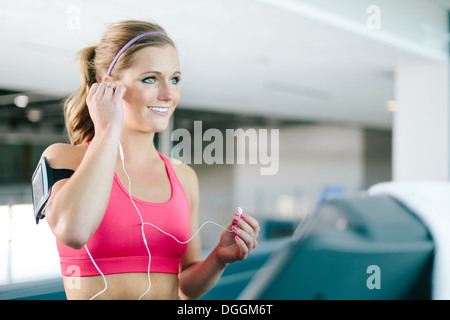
(104, 102)
(89, 188)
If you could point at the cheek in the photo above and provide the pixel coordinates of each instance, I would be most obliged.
(138, 98)
(177, 95)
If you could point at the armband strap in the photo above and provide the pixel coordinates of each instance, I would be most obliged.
(44, 177)
(59, 174)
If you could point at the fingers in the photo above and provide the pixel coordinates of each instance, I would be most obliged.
(105, 93)
(119, 92)
(106, 89)
(248, 224)
(243, 248)
(92, 91)
(246, 229)
(96, 92)
(109, 89)
(105, 102)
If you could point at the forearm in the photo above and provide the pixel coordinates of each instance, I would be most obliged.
(199, 277)
(78, 208)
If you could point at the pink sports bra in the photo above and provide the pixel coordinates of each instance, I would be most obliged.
(117, 245)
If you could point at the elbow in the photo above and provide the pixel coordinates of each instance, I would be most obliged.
(74, 241)
(187, 295)
(67, 226)
(70, 236)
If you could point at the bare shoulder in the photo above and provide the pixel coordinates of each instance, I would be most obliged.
(188, 179)
(185, 174)
(183, 171)
(65, 156)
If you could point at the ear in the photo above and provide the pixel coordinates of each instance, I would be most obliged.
(107, 78)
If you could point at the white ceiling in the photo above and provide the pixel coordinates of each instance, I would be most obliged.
(236, 55)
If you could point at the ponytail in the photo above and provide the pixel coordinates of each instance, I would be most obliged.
(79, 125)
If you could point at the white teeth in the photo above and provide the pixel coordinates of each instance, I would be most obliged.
(159, 109)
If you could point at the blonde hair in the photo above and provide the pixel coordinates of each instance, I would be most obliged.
(93, 64)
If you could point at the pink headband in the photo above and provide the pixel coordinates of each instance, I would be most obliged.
(125, 47)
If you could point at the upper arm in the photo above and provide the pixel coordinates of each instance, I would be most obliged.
(61, 156)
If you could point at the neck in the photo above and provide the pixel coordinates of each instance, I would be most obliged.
(138, 147)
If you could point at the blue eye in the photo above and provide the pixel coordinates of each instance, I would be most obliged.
(149, 80)
(152, 80)
(175, 80)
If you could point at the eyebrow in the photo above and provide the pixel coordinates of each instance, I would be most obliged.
(159, 72)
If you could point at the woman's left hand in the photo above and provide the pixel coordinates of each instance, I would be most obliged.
(237, 245)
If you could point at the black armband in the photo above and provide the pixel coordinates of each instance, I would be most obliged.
(44, 177)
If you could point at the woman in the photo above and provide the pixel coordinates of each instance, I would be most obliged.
(129, 89)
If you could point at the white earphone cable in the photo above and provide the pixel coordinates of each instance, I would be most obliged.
(142, 222)
(101, 273)
(239, 212)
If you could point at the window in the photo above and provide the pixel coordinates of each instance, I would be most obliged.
(27, 251)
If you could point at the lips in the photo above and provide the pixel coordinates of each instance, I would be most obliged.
(162, 111)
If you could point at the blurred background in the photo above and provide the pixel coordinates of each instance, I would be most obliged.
(358, 90)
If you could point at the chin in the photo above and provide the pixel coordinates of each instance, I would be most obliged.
(159, 126)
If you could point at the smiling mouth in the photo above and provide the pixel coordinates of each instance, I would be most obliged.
(159, 110)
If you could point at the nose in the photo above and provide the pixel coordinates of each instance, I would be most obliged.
(166, 92)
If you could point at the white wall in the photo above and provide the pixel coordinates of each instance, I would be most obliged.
(311, 157)
(421, 130)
